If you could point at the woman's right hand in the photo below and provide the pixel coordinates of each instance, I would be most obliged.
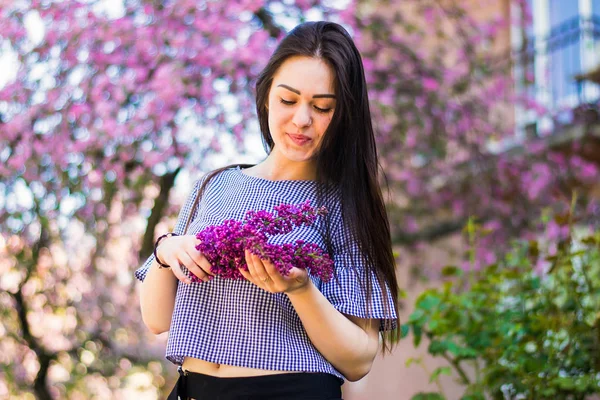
(176, 251)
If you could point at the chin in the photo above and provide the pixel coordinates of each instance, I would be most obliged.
(296, 155)
(300, 158)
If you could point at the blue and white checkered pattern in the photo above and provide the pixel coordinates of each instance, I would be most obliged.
(235, 322)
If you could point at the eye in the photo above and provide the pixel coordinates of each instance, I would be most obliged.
(286, 102)
(323, 110)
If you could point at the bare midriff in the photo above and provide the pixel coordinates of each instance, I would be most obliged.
(224, 370)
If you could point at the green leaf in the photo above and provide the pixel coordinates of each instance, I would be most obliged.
(583, 384)
(437, 347)
(416, 316)
(485, 232)
(428, 396)
(439, 371)
(433, 325)
(428, 302)
(412, 360)
(451, 270)
(417, 335)
(548, 391)
(591, 319)
(404, 329)
(534, 250)
(578, 253)
(459, 351)
(565, 382)
(562, 219)
(473, 396)
(590, 241)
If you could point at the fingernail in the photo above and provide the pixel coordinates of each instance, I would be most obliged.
(188, 281)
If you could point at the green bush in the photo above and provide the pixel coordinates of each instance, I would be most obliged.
(510, 332)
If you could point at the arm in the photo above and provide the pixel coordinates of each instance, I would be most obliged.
(159, 287)
(157, 297)
(349, 343)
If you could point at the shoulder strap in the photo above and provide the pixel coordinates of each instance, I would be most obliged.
(202, 186)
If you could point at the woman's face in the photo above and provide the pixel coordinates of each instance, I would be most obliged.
(300, 107)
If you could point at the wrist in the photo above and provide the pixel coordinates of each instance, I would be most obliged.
(301, 290)
(157, 252)
(161, 264)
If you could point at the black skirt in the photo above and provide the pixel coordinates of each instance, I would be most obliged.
(290, 386)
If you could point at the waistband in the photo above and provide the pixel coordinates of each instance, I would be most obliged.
(288, 386)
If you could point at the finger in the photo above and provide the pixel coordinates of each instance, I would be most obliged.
(199, 258)
(173, 262)
(298, 275)
(191, 265)
(202, 262)
(247, 275)
(250, 263)
(272, 271)
(260, 272)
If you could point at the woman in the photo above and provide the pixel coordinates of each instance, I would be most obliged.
(272, 336)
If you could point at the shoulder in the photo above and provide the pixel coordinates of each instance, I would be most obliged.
(216, 177)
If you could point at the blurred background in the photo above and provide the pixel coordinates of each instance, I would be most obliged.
(487, 121)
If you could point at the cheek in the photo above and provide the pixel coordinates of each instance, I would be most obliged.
(275, 122)
(324, 123)
(277, 115)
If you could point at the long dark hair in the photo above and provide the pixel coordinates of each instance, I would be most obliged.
(347, 157)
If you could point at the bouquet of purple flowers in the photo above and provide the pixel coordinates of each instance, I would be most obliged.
(224, 245)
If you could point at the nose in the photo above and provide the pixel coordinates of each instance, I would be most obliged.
(302, 117)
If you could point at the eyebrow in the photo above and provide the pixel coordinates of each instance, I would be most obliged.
(316, 96)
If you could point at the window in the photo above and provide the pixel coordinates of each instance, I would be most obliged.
(561, 42)
(564, 52)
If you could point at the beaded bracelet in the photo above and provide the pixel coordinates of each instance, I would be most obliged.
(161, 264)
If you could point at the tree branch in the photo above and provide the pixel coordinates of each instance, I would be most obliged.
(266, 19)
(430, 233)
(44, 358)
(167, 181)
(456, 364)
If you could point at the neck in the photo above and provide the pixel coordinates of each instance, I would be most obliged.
(275, 169)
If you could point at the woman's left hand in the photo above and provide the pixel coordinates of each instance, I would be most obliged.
(265, 275)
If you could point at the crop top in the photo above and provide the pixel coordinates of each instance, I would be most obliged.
(236, 323)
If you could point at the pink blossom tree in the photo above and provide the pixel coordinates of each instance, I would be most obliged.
(107, 106)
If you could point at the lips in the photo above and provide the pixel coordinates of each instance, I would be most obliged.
(299, 139)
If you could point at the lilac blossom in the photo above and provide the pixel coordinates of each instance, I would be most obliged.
(224, 245)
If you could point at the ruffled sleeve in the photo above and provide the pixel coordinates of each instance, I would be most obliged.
(182, 219)
(347, 291)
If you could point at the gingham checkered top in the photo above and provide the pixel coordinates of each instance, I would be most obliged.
(237, 323)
